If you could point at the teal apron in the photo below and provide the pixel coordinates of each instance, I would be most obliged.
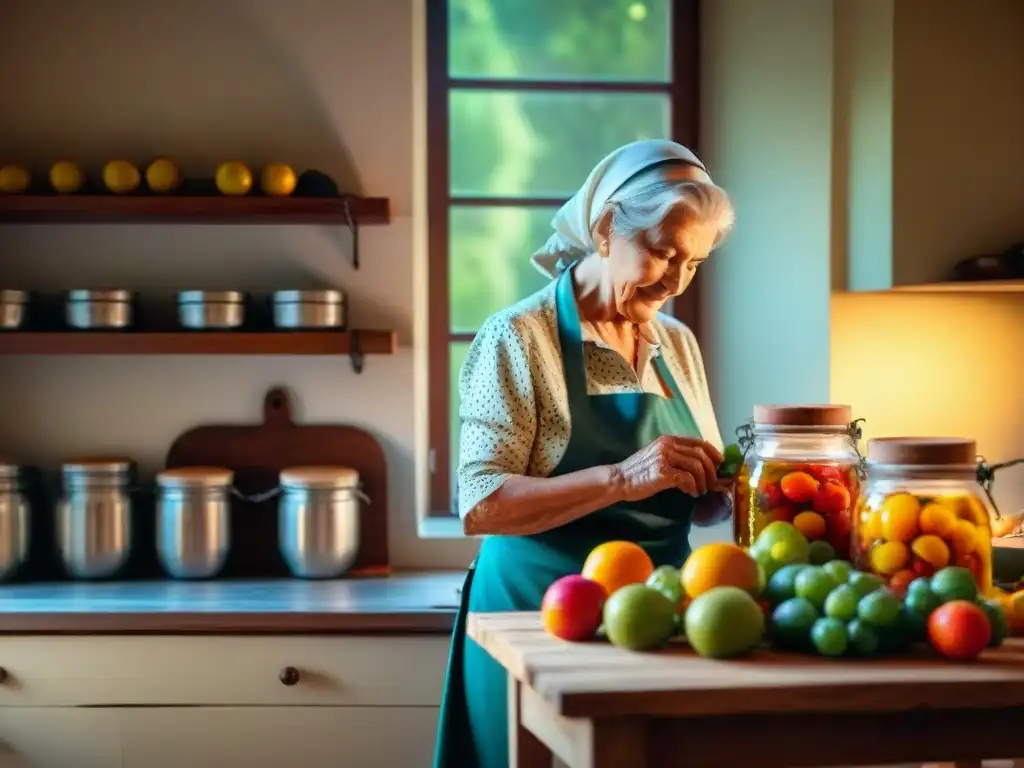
(511, 573)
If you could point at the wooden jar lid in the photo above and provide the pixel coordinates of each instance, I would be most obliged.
(803, 415)
(97, 464)
(195, 477)
(320, 477)
(922, 451)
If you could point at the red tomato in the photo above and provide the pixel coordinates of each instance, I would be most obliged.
(772, 496)
(959, 630)
(923, 568)
(823, 472)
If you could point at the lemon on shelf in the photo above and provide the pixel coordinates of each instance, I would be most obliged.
(14, 179)
(66, 177)
(234, 178)
(163, 175)
(278, 179)
(121, 177)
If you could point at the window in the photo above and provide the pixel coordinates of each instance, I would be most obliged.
(524, 97)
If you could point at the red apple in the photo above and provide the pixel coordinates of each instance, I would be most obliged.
(572, 606)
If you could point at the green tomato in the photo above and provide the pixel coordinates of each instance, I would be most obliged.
(861, 638)
(814, 583)
(841, 603)
(864, 583)
(879, 609)
(839, 570)
(829, 636)
(666, 580)
(792, 621)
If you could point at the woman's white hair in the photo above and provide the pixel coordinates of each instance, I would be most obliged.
(643, 203)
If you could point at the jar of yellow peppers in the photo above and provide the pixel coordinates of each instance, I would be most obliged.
(921, 509)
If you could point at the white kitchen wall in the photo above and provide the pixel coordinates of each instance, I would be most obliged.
(317, 83)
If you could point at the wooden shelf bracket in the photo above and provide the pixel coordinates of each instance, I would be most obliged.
(353, 227)
(355, 353)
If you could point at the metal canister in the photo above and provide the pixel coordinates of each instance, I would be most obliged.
(12, 308)
(94, 517)
(309, 309)
(193, 521)
(15, 521)
(98, 309)
(211, 310)
(318, 520)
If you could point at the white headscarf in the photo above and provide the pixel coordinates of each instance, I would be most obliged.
(575, 220)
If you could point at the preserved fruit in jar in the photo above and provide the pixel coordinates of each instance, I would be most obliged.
(801, 466)
(921, 510)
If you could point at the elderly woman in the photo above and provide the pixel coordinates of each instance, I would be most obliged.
(585, 413)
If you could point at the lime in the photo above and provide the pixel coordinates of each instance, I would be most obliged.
(639, 618)
(864, 583)
(792, 621)
(839, 570)
(666, 580)
(841, 603)
(784, 542)
(997, 619)
(820, 552)
(879, 608)
(861, 638)
(814, 583)
(921, 599)
(955, 583)
(829, 637)
(782, 586)
(724, 622)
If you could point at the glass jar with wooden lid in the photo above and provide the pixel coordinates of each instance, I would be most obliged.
(922, 509)
(801, 466)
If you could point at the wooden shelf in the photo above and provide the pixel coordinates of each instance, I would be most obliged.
(153, 209)
(973, 286)
(355, 343)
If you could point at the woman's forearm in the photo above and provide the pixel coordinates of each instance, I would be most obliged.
(527, 505)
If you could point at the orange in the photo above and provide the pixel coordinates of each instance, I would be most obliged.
(616, 564)
(719, 565)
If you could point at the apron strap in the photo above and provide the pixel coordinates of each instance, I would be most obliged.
(570, 337)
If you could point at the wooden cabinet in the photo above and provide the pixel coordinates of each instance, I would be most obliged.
(150, 702)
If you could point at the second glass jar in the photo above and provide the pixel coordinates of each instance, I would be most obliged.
(801, 466)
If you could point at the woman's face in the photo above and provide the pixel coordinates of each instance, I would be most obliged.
(648, 270)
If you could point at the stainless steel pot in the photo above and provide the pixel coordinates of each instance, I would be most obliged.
(309, 309)
(206, 310)
(12, 309)
(94, 517)
(193, 521)
(15, 520)
(318, 520)
(93, 309)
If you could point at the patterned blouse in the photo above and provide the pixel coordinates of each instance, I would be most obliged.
(514, 403)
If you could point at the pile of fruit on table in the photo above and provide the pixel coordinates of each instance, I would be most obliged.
(727, 601)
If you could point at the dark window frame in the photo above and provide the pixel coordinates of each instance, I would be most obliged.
(684, 102)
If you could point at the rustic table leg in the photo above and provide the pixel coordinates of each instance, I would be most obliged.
(524, 749)
(618, 743)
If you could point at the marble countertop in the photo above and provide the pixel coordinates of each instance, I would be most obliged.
(405, 603)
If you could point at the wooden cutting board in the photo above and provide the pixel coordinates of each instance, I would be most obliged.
(258, 452)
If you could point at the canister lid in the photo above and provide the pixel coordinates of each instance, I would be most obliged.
(100, 294)
(922, 451)
(319, 477)
(98, 465)
(13, 296)
(210, 297)
(803, 415)
(195, 477)
(318, 296)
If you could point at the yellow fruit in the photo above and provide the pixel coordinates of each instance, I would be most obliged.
(13, 179)
(811, 525)
(719, 565)
(964, 537)
(871, 526)
(900, 513)
(66, 177)
(932, 550)
(162, 175)
(938, 519)
(889, 557)
(121, 177)
(278, 179)
(234, 178)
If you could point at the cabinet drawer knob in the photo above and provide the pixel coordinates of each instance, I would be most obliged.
(289, 676)
(3, 675)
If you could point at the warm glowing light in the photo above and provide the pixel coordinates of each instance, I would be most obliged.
(637, 11)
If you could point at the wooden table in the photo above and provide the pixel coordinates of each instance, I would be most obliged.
(596, 706)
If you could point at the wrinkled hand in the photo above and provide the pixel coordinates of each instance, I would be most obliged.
(685, 463)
